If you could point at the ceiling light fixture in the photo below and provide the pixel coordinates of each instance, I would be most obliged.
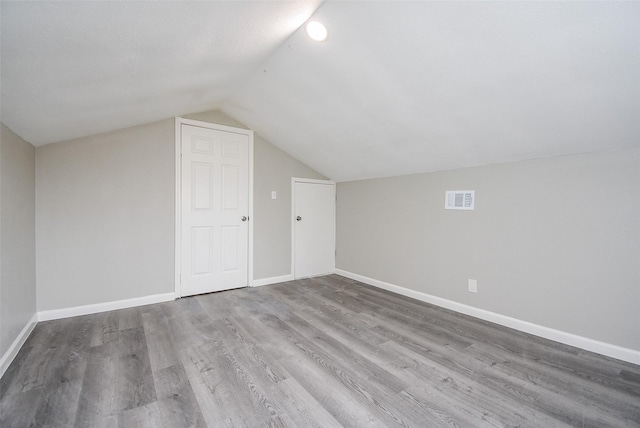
(317, 31)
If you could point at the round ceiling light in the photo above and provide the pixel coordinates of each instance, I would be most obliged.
(317, 31)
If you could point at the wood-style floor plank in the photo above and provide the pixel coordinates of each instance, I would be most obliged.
(318, 352)
(176, 399)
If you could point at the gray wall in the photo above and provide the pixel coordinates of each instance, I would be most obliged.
(216, 116)
(17, 236)
(555, 242)
(273, 170)
(105, 214)
(105, 217)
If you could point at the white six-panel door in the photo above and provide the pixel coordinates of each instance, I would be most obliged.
(214, 226)
(313, 227)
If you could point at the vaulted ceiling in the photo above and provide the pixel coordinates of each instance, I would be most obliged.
(397, 88)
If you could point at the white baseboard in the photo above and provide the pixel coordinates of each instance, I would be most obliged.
(603, 348)
(272, 280)
(11, 353)
(55, 314)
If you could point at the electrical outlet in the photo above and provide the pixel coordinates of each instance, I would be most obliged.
(273, 194)
(473, 286)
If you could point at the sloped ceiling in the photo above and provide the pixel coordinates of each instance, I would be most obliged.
(398, 87)
(75, 68)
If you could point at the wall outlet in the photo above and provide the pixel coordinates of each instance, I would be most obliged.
(273, 194)
(473, 286)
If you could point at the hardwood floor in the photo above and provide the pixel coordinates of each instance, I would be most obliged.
(323, 352)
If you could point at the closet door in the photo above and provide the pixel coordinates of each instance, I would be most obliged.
(313, 227)
(214, 210)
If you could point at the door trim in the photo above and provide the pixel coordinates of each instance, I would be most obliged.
(295, 180)
(178, 193)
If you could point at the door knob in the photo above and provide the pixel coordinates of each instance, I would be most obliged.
(244, 218)
(298, 218)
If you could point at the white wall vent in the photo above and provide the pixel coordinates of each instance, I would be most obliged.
(459, 199)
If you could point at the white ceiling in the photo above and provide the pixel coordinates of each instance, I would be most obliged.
(398, 88)
(71, 69)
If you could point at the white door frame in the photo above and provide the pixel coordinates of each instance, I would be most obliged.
(178, 190)
(295, 180)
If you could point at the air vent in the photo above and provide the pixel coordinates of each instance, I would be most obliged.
(459, 199)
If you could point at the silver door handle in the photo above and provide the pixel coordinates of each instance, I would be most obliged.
(298, 218)
(245, 218)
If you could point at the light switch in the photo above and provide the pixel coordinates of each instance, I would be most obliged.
(273, 194)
